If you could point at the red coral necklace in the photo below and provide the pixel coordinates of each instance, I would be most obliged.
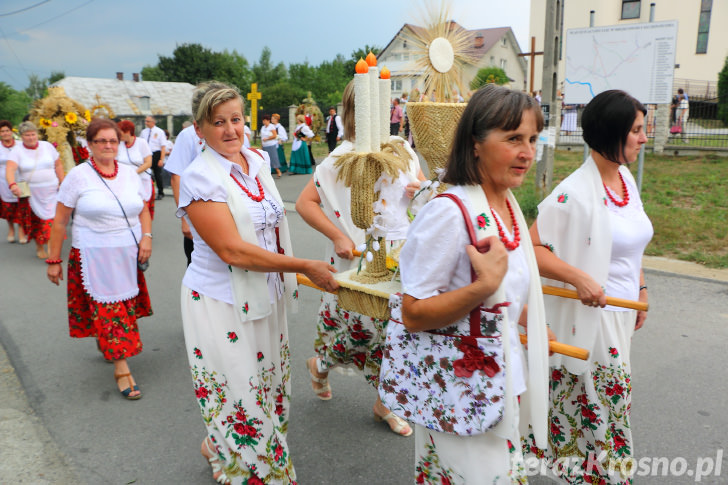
(106, 176)
(256, 198)
(616, 202)
(510, 245)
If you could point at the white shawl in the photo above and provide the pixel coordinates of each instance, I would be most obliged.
(250, 288)
(573, 221)
(534, 401)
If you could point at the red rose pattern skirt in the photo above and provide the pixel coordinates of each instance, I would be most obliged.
(590, 438)
(348, 338)
(33, 226)
(9, 211)
(114, 325)
(241, 374)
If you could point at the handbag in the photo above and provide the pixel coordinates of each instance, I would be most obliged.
(142, 266)
(676, 129)
(443, 381)
(24, 189)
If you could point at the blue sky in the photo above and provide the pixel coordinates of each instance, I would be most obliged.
(97, 38)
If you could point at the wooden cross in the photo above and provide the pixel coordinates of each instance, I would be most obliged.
(253, 97)
(532, 55)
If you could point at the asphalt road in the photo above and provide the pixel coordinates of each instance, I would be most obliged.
(85, 432)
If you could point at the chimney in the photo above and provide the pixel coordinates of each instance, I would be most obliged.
(479, 40)
(120, 76)
(136, 77)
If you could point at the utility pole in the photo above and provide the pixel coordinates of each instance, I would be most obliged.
(549, 99)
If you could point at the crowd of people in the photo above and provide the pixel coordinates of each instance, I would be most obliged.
(470, 271)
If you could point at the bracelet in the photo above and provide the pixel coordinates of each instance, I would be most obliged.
(53, 261)
(643, 287)
(11, 185)
(149, 234)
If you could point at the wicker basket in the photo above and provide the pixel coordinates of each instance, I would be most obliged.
(433, 128)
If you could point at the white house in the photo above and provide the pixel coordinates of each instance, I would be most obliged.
(492, 47)
(702, 40)
(133, 99)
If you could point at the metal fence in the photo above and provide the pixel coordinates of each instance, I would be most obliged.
(699, 127)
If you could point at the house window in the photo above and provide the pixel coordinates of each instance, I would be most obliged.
(704, 26)
(405, 57)
(142, 102)
(492, 61)
(396, 85)
(503, 64)
(630, 9)
(504, 41)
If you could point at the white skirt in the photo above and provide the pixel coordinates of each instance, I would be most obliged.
(242, 381)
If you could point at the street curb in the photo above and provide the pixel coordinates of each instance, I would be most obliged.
(673, 267)
(28, 453)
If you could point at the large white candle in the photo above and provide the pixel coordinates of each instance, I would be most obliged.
(374, 95)
(385, 97)
(362, 108)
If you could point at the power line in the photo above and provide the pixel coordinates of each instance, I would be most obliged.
(56, 17)
(23, 9)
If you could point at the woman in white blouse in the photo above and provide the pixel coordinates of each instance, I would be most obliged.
(275, 119)
(8, 201)
(300, 157)
(107, 292)
(590, 234)
(37, 163)
(493, 149)
(233, 298)
(269, 139)
(135, 152)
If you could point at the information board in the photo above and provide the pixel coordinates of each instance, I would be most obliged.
(638, 58)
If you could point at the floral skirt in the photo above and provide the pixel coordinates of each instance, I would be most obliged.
(449, 459)
(590, 438)
(282, 158)
(348, 338)
(114, 325)
(33, 226)
(242, 381)
(9, 211)
(300, 160)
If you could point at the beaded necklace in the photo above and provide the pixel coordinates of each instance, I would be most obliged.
(510, 245)
(256, 198)
(106, 176)
(616, 202)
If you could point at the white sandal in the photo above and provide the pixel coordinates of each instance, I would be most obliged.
(324, 382)
(215, 462)
(397, 426)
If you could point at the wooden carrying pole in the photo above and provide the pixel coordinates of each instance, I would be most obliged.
(568, 293)
(556, 347)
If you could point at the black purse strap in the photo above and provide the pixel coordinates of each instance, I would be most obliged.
(475, 312)
(117, 201)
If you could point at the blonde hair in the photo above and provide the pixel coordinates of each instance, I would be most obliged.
(347, 117)
(300, 119)
(215, 94)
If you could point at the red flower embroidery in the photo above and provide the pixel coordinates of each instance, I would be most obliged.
(337, 214)
(483, 221)
(232, 336)
(260, 356)
(197, 352)
(201, 393)
(562, 198)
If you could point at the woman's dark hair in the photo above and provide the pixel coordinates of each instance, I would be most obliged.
(6, 123)
(265, 117)
(98, 124)
(127, 127)
(492, 107)
(607, 120)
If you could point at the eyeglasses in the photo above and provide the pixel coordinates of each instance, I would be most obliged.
(102, 141)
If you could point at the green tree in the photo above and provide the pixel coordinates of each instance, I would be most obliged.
(723, 93)
(37, 86)
(360, 54)
(282, 93)
(152, 73)
(56, 76)
(13, 104)
(265, 73)
(488, 75)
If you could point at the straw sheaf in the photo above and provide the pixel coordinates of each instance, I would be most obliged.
(433, 128)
